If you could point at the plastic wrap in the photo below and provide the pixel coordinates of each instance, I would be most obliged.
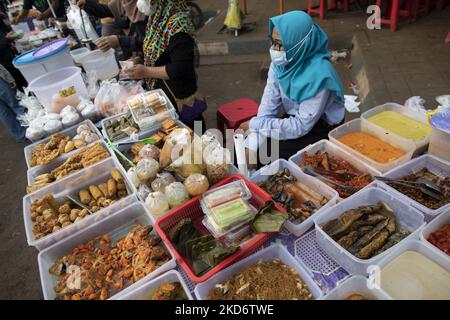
(133, 176)
(217, 164)
(157, 203)
(147, 169)
(196, 184)
(149, 151)
(52, 126)
(176, 194)
(162, 181)
(112, 96)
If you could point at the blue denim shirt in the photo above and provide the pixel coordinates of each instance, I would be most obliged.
(301, 116)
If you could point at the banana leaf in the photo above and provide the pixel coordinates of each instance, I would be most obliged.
(269, 219)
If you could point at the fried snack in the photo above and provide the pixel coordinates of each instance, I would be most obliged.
(85, 196)
(95, 192)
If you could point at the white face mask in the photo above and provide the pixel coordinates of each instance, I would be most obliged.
(279, 57)
(144, 7)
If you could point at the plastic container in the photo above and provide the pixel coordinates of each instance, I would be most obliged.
(81, 180)
(116, 226)
(434, 165)
(70, 132)
(356, 285)
(191, 209)
(36, 171)
(440, 144)
(48, 85)
(298, 229)
(421, 145)
(334, 150)
(406, 216)
(358, 125)
(103, 63)
(212, 198)
(144, 291)
(54, 55)
(149, 108)
(433, 226)
(275, 251)
(78, 54)
(28, 67)
(417, 246)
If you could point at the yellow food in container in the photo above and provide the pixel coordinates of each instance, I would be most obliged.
(402, 125)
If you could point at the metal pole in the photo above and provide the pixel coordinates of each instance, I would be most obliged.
(51, 8)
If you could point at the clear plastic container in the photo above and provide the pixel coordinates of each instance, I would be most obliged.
(48, 85)
(406, 217)
(440, 221)
(275, 251)
(358, 125)
(419, 247)
(421, 145)
(116, 226)
(145, 290)
(28, 67)
(70, 132)
(356, 285)
(225, 193)
(440, 144)
(81, 180)
(434, 165)
(103, 63)
(36, 171)
(150, 108)
(78, 54)
(334, 150)
(318, 186)
(54, 55)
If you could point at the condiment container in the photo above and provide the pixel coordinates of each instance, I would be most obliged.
(433, 226)
(356, 285)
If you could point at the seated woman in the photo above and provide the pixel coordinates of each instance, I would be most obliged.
(169, 58)
(302, 82)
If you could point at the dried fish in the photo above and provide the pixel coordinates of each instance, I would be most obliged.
(364, 240)
(374, 245)
(394, 239)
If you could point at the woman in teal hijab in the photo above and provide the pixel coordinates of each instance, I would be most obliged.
(302, 83)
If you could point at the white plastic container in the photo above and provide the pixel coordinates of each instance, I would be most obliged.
(440, 221)
(318, 186)
(440, 144)
(434, 165)
(116, 226)
(70, 132)
(21, 26)
(144, 291)
(103, 63)
(358, 125)
(334, 150)
(54, 55)
(36, 171)
(417, 246)
(356, 285)
(406, 217)
(48, 85)
(81, 180)
(421, 145)
(78, 54)
(28, 67)
(275, 251)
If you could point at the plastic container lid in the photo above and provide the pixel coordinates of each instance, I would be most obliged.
(50, 49)
(441, 121)
(212, 198)
(24, 58)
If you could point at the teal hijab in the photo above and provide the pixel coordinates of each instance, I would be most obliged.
(309, 70)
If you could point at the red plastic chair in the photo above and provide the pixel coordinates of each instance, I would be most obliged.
(322, 8)
(409, 11)
(232, 114)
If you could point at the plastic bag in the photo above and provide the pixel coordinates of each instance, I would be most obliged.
(416, 103)
(217, 164)
(112, 96)
(92, 83)
(81, 24)
(88, 110)
(443, 100)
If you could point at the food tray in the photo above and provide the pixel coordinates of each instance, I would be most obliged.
(36, 171)
(356, 285)
(406, 216)
(418, 246)
(358, 125)
(437, 223)
(146, 289)
(81, 180)
(434, 165)
(192, 209)
(240, 184)
(440, 144)
(141, 134)
(117, 226)
(275, 251)
(334, 150)
(298, 229)
(71, 132)
(421, 145)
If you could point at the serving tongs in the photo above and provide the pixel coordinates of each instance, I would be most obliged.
(338, 175)
(427, 187)
(313, 172)
(82, 206)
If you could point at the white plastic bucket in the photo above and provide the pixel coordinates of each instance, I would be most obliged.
(78, 54)
(28, 67)
(103, 63)
(54, 55)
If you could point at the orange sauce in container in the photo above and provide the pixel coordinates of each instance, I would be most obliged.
(371, 147)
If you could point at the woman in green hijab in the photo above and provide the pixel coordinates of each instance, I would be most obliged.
(302, 84)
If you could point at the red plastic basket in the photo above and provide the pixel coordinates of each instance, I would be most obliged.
(192, 209)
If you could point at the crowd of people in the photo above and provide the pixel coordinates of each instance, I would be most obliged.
(158, 35)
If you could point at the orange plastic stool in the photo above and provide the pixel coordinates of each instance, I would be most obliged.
(232, 114)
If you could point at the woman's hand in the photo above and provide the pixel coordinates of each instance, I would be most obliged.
(11, 36)
(80, 3)
(137, 72)
(108, 42)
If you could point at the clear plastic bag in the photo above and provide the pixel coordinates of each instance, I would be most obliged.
(112, 96)
(217, 164)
